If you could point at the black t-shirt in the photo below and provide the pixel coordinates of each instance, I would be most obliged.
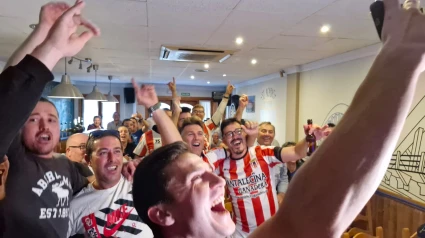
(129, 150)
(38, 194)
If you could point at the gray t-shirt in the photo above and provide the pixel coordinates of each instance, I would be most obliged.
(38, 194)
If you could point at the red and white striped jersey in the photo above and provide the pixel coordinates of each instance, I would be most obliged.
(149, 142)
(208, 127)
(250, 184)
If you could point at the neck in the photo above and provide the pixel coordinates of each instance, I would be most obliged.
(239, 156)
(101, 185)
(124, 144)
(176, 232)
(116, 121)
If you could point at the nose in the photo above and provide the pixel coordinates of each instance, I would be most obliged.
(42, 124)
(216, 181)
(110, 156)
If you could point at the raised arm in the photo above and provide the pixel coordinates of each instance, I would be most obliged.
(175, 109)
(49, 13)
(218, 115)
(336, 183)
(147, 97)
(243, 102)
(23, 84)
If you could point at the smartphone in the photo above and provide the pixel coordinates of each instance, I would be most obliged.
(378, 13)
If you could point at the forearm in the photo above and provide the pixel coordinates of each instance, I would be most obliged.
(21, 87)
(175, 117)
(35, 38)
(218, 115)
(250, 140)
(301, 149)
(357, 162)
(239, 113)
(169, 132)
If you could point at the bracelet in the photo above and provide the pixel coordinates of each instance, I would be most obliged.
(226, 97)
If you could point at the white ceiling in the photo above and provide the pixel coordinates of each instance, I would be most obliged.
(278, 33)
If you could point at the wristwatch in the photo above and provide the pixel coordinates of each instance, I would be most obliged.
(154, 107)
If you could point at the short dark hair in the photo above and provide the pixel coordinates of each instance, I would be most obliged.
(94, 118)
(186, 109)
(124, 121)
(191, 121)
(267, 123)
(43, 99)
(331, 125)
(150, 181)
(227, 122)
(289, 144)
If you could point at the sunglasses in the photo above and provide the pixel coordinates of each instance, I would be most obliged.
(102, 133)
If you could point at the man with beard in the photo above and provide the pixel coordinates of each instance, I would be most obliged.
(250, 174)
(39, 187)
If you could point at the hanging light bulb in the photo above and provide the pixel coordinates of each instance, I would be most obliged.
(65, 89)
(111, 97)
(81, 65)
(95, 95)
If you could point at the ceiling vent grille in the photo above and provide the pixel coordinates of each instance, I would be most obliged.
(171, 53)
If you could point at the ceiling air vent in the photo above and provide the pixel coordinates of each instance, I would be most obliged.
(172, 53)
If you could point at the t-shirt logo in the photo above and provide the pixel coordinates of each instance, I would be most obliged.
(115, 219)
(61, 193)
(158, 141)
(254, 163)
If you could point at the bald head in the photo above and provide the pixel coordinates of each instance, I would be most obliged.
(76, 147)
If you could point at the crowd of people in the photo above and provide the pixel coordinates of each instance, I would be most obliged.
(170, 179)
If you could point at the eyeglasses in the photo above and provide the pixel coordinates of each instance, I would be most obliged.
(82, 147)
(196, 111)
(230, 134)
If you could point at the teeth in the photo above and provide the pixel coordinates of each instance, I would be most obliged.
(218, 201)
(112, 167)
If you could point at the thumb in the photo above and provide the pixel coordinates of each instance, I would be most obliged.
(244, 128)
(82, 39)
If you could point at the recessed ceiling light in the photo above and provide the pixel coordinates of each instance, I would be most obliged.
(33, 26)
(325, 29)
(224, 75)
(192, 77)
(253, 61)
(208, 82)
(239, 40)
(206, 66)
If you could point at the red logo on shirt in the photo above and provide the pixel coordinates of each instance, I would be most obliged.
(116, 218)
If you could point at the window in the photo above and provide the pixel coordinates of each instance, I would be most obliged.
(186, 105)
(91, 109)
(108, 109)
(165, 106)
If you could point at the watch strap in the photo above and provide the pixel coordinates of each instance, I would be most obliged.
(154, 107)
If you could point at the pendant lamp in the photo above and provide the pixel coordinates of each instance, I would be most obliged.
(95, 95)
(65, 89)
(111, 97)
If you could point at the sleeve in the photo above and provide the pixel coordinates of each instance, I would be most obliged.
(109, 126)
(214, 157)
(270, 153)
(218, 115)
(78, 181)
(141, 148)
(21, 86)
(283, 180)
(83, 169)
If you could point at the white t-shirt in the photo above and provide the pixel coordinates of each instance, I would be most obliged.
(109, 212)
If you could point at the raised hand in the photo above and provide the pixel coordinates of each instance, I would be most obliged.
(243, 101)
(172, 85)
(398, 32)
(229, 89)
(250, 128)
(318, 131)
(50, 13)
(145, 94)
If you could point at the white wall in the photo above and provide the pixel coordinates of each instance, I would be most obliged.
(327, 91)
(268, 108)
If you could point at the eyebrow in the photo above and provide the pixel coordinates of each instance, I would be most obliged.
(38, 114)
(108, 149)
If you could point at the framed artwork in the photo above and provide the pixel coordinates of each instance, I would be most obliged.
(250, 108)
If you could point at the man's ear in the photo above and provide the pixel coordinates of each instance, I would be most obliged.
(86, 157)
(160, 215)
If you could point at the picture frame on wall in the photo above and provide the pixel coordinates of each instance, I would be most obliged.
(250, 108)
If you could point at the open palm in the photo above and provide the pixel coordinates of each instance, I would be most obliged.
(145, 94)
